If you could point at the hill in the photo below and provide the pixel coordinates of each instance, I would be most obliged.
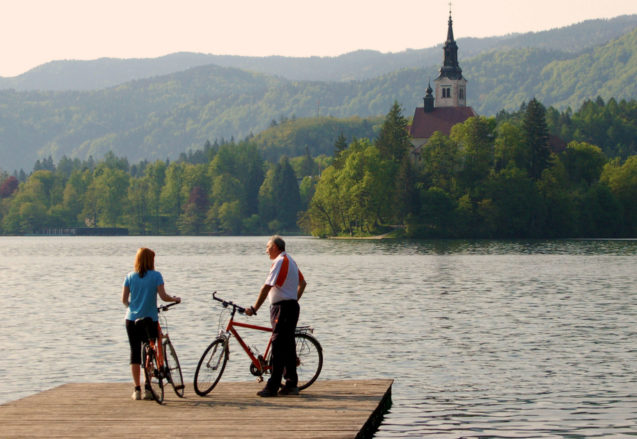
(359, 65)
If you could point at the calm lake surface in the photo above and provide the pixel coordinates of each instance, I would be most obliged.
(483, 338)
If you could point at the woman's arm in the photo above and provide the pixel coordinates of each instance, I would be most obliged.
(165, 296)
(125, 295)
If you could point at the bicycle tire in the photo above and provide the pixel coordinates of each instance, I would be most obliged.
(309, 359)
(154, 377)
(173, 369)
(211, 366)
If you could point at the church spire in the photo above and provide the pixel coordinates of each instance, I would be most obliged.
(450, 85)
(450, 67)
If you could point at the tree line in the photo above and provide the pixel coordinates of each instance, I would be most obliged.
(226, 188)
(504, 177)
(492, 177)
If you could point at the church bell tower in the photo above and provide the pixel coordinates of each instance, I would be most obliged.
(451, 87)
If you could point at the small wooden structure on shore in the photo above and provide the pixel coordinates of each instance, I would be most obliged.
(83, 231)
(328, 409)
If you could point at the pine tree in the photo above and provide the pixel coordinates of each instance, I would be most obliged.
(537, 138)
(340, 146)
(393, 140)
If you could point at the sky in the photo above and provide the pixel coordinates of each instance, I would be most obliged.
(34, 32)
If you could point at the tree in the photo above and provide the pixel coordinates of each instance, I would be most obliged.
(191, 222)
(393, 139)
(172, 196)
(9, 186)
(155, 174)
(138, 208)
(339, 147)
(622, 181)
(583, 162)
(441, 162)
(110, 187)
(437, 214)
(536, 135)
(279, 197)
(510, 147)
(517, 208)
(406, 197)
(475, 139)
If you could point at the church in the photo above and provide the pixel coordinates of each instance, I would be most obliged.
(449, 107)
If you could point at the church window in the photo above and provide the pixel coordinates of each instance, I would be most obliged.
(461, 93)
(446, 92)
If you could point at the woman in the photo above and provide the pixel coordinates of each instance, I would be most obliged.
(139, 294)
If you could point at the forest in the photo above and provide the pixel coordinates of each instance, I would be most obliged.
(531, 173)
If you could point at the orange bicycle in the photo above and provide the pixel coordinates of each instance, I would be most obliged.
(309, 354)
(160, 360)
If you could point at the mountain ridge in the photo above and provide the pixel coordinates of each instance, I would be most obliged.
(63, 75)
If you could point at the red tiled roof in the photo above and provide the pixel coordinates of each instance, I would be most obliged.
(441, 119)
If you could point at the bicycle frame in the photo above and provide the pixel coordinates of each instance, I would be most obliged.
(158, 347)
(260, 365)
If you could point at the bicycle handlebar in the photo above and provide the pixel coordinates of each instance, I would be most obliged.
(161, 308)
(227, 303)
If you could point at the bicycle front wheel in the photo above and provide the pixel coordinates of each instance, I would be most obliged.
(173, 369)
(309, 359)
(211, 366)
(153, 375)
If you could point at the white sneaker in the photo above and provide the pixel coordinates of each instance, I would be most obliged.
(148, 396)
(137, 395)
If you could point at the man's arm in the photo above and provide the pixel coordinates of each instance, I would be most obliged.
(265, 289)
(300, 289)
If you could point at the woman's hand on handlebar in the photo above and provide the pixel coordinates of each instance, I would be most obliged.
(250, 311)
(176, 299)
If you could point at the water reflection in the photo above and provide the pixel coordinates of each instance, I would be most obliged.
(483, 338)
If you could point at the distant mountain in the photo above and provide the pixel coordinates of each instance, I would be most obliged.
(162, 116)
(363, 64)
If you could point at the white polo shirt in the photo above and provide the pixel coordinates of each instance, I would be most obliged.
(284, 278)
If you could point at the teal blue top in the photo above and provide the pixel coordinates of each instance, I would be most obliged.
(142, 301)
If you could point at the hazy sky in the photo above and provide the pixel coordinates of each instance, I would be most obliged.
(33, 32)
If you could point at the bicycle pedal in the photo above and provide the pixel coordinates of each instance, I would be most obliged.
(259, 379)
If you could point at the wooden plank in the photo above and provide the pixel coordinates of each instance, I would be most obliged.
(328, 409)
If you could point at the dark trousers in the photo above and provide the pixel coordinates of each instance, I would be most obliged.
(284, 317)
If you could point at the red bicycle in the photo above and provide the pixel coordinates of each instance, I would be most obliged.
(309, 354)
(160, 360)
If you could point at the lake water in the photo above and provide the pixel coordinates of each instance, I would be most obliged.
(483, 338)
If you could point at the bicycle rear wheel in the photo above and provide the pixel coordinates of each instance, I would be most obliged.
(173, 369)
(211, 366)
(154, 377)
(309, 359)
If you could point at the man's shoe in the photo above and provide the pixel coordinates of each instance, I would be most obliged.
(148, 395)
(266, 393)
(137, 395)
(289, 390)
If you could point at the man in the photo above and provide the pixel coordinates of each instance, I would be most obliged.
(284, 286)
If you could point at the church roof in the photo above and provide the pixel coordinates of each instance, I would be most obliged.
(440, 119)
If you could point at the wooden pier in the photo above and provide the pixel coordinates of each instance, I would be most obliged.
(328, 409)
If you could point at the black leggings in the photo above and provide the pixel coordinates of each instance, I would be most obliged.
(139, 332)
